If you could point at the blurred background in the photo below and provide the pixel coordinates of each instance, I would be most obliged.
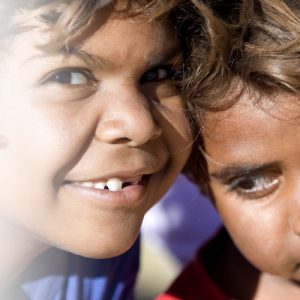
(172, 231)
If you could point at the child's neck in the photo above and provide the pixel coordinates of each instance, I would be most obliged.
(240, 280)
(17, 250)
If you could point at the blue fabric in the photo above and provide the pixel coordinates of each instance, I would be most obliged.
(58, 275)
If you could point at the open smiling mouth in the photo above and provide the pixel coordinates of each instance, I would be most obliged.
(113, 184)
(115, 191)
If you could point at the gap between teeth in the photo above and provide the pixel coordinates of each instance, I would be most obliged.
(113, 184)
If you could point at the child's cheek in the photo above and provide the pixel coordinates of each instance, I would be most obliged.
(259, 235)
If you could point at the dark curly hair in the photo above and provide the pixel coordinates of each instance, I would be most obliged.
(263, 57)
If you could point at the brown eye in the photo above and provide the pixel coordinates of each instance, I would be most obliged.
(254, 186)
(158, 74)
(69, 84)
(70, 77)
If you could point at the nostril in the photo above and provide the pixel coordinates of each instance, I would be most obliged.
(113, 141)
(157, 133)
(132, 129)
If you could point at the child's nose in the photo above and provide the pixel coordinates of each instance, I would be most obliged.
(128, 119)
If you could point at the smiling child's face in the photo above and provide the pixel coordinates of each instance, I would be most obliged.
(105, 116)
(254, 165)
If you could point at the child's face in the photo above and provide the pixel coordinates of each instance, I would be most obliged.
(70, 125)
(254, 165)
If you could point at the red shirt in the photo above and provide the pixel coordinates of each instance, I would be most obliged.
(194, 283)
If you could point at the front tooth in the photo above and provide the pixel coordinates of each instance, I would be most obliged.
(114, 184)
(99, 186)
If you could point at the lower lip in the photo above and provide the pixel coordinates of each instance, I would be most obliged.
(129, 196)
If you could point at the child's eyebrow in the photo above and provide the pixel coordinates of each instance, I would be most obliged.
(92, 60)
(236, 170)
(171, 52)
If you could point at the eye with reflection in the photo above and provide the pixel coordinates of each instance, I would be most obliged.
(70, 77)
(254, 186)
(159, 73)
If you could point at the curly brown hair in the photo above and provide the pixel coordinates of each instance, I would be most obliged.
(264, 58)
(67, 19)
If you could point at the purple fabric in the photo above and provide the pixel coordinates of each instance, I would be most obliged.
(182, 221)
(57, 275)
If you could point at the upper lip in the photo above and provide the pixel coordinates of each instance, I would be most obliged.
(122, 175)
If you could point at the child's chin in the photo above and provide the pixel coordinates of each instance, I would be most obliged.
(102, 249)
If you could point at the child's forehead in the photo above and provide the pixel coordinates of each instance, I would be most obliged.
(110, 32)
(251, 111)
(247, 132)
(66, 20)
(118, 44)
(117, 40)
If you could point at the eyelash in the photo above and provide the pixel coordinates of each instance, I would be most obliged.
(254, 186)
(169, 70)
(65, 77)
